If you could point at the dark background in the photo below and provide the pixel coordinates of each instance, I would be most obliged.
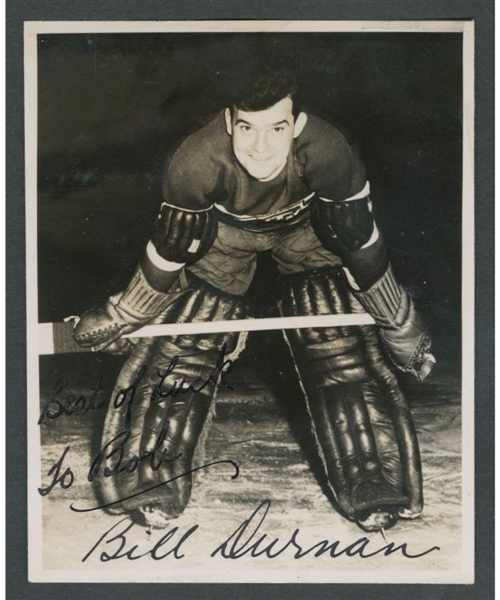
(112, 107)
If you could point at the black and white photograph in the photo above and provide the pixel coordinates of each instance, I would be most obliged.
(250, 277)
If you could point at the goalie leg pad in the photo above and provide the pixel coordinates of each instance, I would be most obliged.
(404, 429)
(154, 427)
(355, 405)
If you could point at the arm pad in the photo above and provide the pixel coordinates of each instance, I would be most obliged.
(184, 236)
(343, 226)
(348, 230)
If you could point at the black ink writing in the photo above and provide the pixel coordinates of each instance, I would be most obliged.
(65, 480)
(116, 449)
(157, 552)
(54, 408)
(154, 487)
(222, 368)
(248, 540)
(129, 394)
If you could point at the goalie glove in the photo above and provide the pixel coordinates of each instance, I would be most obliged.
(123, 313)
(402, 329)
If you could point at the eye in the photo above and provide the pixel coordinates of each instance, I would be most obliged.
(278, 129)
(245, 128)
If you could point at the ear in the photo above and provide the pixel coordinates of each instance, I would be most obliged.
(300, 123)
(229, 123)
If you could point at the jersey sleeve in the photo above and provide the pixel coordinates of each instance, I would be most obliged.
(191, 175)
(330, 165)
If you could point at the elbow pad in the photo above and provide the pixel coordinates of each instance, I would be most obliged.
(181, 236)
(348, 230)
(343, 226)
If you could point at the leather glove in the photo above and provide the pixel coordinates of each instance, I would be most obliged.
(102, 327)
(402, 329)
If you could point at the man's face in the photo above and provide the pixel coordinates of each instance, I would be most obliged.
(262, 139)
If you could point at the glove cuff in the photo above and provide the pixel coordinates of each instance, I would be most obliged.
(402, 329)
(140, 302)
(383, 300)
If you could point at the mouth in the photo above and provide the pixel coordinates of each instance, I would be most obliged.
(259, 158)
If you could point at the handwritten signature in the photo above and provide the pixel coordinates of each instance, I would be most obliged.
(246, 540)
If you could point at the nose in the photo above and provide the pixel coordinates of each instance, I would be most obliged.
(260, 144)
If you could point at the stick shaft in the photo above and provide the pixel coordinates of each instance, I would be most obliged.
(57, 338)
(252, 325)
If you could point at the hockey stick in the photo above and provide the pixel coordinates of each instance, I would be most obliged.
(57, 338)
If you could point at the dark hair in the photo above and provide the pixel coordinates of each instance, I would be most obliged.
(261, 91)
